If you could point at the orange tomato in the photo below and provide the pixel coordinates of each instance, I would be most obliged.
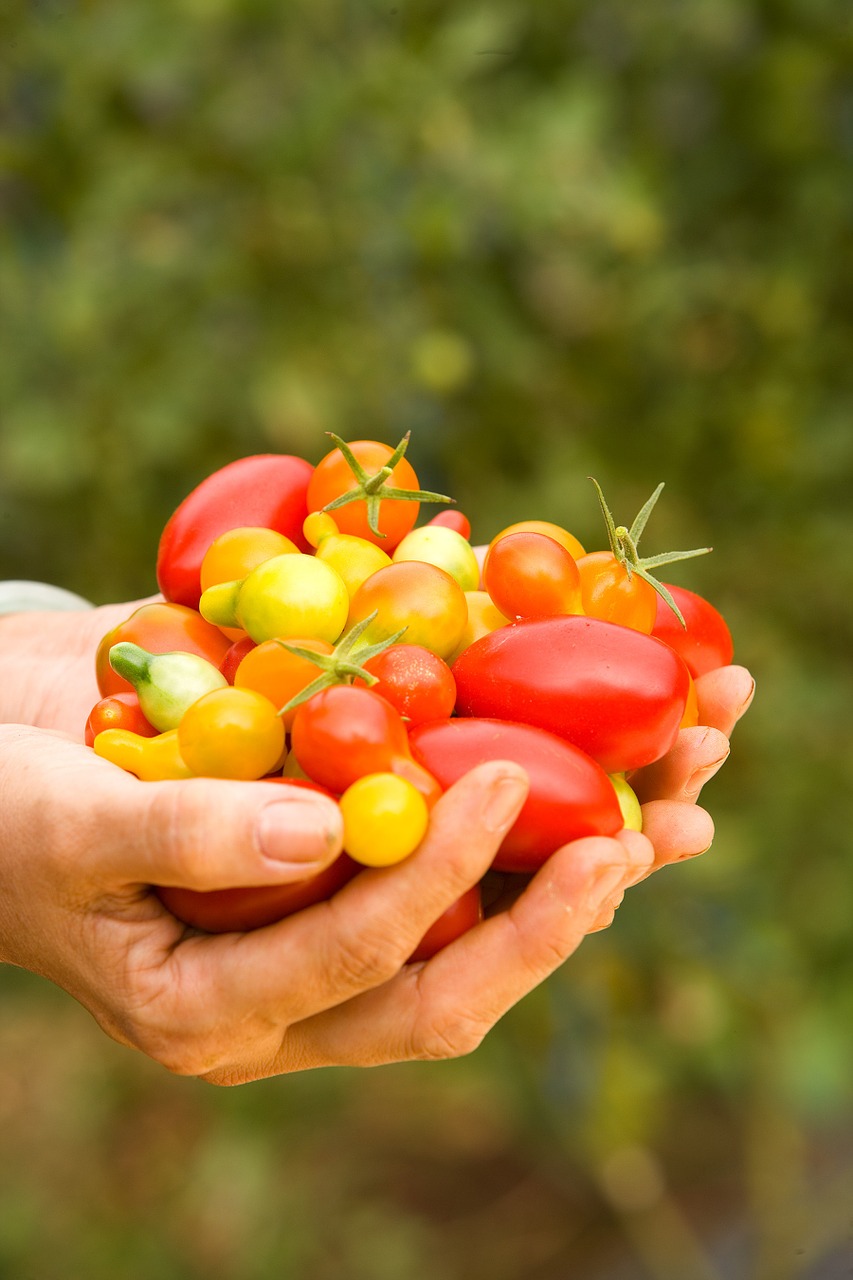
(269, 669)
(610, 594)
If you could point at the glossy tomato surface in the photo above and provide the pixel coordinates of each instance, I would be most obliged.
(706, 642)
(266, 489)
(343, 733)
(614, 692)
(570, 795)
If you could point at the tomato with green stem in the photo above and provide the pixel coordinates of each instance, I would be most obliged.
(420, 599)
(160, 628)
(705, 641)
(371, 488)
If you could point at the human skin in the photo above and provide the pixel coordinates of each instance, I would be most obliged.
(82, 842)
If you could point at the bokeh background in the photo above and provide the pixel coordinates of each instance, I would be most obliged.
(554, 239)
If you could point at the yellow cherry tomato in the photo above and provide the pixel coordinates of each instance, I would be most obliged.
(483, 616)
(435, 544)
(355, 559)
(555, 531)
(632, 813)
(269, 669)
(288, 596)
(420, 597)
(232, 733)
(385, 819)
(237, 552)
(150, 759)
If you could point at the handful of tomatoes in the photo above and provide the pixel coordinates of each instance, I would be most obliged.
(312, 635)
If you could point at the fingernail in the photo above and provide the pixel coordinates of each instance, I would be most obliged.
(296, 831)
(697, 780)
(503, 803)
(607, 880)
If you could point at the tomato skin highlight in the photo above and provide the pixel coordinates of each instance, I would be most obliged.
(706, 643)
(266, 490)
(614, 692)
(570, 795)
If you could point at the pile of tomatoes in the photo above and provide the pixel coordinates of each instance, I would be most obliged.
(312, 634)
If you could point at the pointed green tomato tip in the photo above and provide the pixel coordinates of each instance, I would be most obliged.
(130, 661)
(218, 604)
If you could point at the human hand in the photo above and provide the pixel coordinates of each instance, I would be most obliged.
(83, 842)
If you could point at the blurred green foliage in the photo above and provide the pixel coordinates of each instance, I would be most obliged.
(555, 239)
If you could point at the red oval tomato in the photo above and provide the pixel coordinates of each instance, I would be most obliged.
(465, 913)
(706, 642)
(266, 490)
(614, 692)
(570, 795)
(159, 628)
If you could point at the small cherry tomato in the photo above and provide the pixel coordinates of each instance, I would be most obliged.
(466, 912)
(420, 597)
(286, 596)
(160, 628)
(333, 477)
(117, 711)
(343, 733)
(706, 642)
(355, 559)
(234, 656)
(278, 674)
(531, 575)
(612, 593)
(235, 553)
(555, 531)
(436, 544)
(231, 733)
(385, 819)
(414, 680)
(453, 519)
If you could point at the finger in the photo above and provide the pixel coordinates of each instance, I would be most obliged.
(444, 1008)
(203, 833)
(724, 696)
(677, 830)
(365, 934)
(682, 773)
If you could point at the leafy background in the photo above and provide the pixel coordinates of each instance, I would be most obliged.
(554, 240)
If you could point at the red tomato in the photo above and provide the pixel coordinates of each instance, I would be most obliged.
(159, 628)
(118, 711)
(266, 490)
(529, 574)
(453, 519)
(706, 643)
(414, 680)
(465, 913)
(343, 733)
(617, 694)
(234, 656)
(333, 477)
(610, 594)
(570, 795)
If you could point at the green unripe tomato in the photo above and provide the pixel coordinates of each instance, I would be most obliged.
(167, 684)
(446, 549)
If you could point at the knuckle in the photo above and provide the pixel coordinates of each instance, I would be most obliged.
(366, 958)
(453, 1035)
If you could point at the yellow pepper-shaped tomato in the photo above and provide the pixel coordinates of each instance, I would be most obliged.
(150, 759)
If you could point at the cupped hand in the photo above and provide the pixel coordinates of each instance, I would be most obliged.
(84, 842)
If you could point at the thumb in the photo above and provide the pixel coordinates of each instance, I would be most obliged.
(201, 833)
